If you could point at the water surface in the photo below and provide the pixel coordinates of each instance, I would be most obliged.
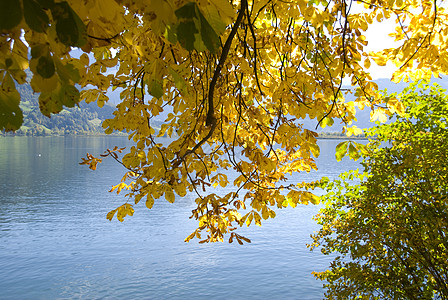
(55, 242)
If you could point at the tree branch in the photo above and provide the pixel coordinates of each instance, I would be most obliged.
(211, 120)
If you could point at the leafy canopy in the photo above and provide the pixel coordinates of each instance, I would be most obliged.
(390, 230)
(237, 79)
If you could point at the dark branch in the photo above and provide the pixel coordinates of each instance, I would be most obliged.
(211, 120)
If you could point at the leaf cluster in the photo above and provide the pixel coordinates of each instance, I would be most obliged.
(233, 80)
(389, 225)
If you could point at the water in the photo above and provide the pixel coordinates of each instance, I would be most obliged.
(55, 242)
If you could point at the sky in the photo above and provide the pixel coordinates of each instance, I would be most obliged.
(379, 40)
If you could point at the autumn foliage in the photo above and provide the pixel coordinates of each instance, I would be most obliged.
(237, 79)
(387, 227)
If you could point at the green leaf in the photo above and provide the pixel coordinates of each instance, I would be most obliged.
(341, 150)
(46, 3)
(327, 122)
(35, 16)
(49, 103)
(179, 82)
(188, 11)
(18, 75)
(70, 29)
(45, 66)
(8, 62)
(67, 72)
(185, 34)
(323, 182)
(155, 88)
(38, 50)
(188, 26)
(10, 14)
(53, 101)
(353, 152)
(171, 33)
(11, 116)
(192, 21)
(208, 35)
(70, 95)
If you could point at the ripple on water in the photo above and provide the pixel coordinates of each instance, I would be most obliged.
(55, 242)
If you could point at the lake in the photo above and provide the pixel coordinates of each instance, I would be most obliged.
(56, 243)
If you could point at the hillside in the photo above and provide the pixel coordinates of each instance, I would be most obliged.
(87, 118)
(82, 119)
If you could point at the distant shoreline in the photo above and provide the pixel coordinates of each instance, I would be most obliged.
(342, 138)
(87, 134)
(7, 134)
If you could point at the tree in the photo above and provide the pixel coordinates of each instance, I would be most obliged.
(390, 230)
(236, 78)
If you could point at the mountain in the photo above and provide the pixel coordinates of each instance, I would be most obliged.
(82, 119)
(87, 118)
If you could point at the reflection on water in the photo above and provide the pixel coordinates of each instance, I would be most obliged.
(55, 241)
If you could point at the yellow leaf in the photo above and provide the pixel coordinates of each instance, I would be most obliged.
(265, 212)
(188, 238)
(111, 214)
(380, 60)
(315, 150)
(149, 201)
(341, 150)
(310, 197)
(249, 219)
(169, 195)
(353, 130)
(257, 219)
(367, 63)
(129, 209)
(45, 85)
(378, 114)
(84, 58)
